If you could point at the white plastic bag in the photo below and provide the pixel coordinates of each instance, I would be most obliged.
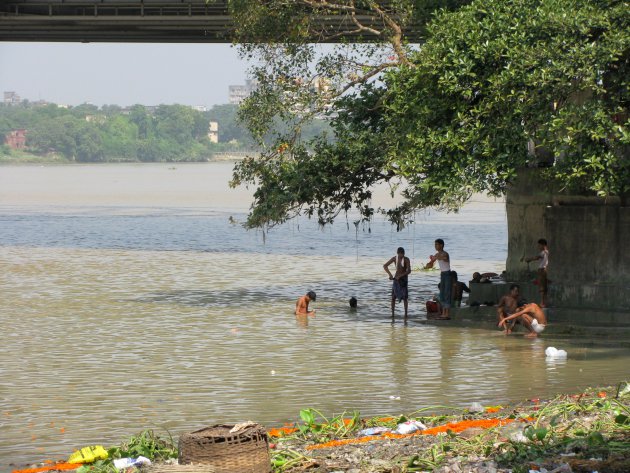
(553, 352)
(409, 427)
(121, 463)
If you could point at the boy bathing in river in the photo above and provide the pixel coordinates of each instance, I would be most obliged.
(301, 306)
(531, 316)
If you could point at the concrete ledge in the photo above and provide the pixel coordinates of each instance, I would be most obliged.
(492, 292)
(562, 322)
(590, 317)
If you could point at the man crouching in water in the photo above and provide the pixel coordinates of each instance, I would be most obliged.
(301, 306)
(531, 316)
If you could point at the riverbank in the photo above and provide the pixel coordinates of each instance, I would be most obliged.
(579, 432)
(17, 157)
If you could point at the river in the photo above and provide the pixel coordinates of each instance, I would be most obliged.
(132, 298)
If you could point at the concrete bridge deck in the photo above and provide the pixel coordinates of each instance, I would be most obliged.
(154, 21)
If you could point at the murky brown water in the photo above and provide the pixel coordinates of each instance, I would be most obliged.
(129, 302)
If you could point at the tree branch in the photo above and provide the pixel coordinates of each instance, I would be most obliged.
(365, 77)
(319, 4)
(397, 37)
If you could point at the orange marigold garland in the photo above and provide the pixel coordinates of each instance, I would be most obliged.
(452, 426)
(288, 429)
(53, 467)
(281, 431)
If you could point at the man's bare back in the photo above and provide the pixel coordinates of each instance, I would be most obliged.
(532, 316)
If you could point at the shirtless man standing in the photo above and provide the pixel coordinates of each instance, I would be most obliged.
(301, 306)
(507, 306)
(400, 278)
(532, 317)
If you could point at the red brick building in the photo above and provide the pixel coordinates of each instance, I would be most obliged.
(16, 139)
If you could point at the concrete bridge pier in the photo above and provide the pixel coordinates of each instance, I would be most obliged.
(589, 260)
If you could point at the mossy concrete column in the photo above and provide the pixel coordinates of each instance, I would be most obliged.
(591, 267)
(526, 201)
(589, 249)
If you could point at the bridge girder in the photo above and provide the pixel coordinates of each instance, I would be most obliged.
(193, 21)
(141, 21)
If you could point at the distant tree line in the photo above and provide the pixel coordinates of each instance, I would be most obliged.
(87, 133)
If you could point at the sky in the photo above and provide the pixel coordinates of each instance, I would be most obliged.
(121, 73)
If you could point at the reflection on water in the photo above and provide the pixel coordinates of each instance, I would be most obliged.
(118, 316)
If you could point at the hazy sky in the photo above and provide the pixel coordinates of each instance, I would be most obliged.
(121, 74)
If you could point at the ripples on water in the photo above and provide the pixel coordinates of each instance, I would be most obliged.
(117, 319)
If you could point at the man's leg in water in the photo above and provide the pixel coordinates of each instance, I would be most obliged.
(509, 325)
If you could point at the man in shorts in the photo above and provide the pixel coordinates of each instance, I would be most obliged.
(399, 279)
(531, 316)
(543, 260)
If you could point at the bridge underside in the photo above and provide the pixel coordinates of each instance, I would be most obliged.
(115, 21)
(150, 21)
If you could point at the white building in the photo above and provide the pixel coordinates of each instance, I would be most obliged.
(213, 132)
(11, 98)
(238, 93)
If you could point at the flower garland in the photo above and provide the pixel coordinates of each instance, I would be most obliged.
(51, 467)
(288, 429)
(452, 426)
(281, 431)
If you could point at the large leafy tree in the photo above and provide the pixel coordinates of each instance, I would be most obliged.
(75, 138)
(494, 86)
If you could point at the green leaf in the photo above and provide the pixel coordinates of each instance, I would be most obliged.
(595, 439)
(622, 419)
(307, 416)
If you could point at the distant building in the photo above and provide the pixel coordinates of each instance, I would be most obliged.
(200, 108)
(213, 132)
(11, 98)
(238, 93)
(16, 139)
(99, 119)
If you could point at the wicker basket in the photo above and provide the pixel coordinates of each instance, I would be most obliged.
(245, 451)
